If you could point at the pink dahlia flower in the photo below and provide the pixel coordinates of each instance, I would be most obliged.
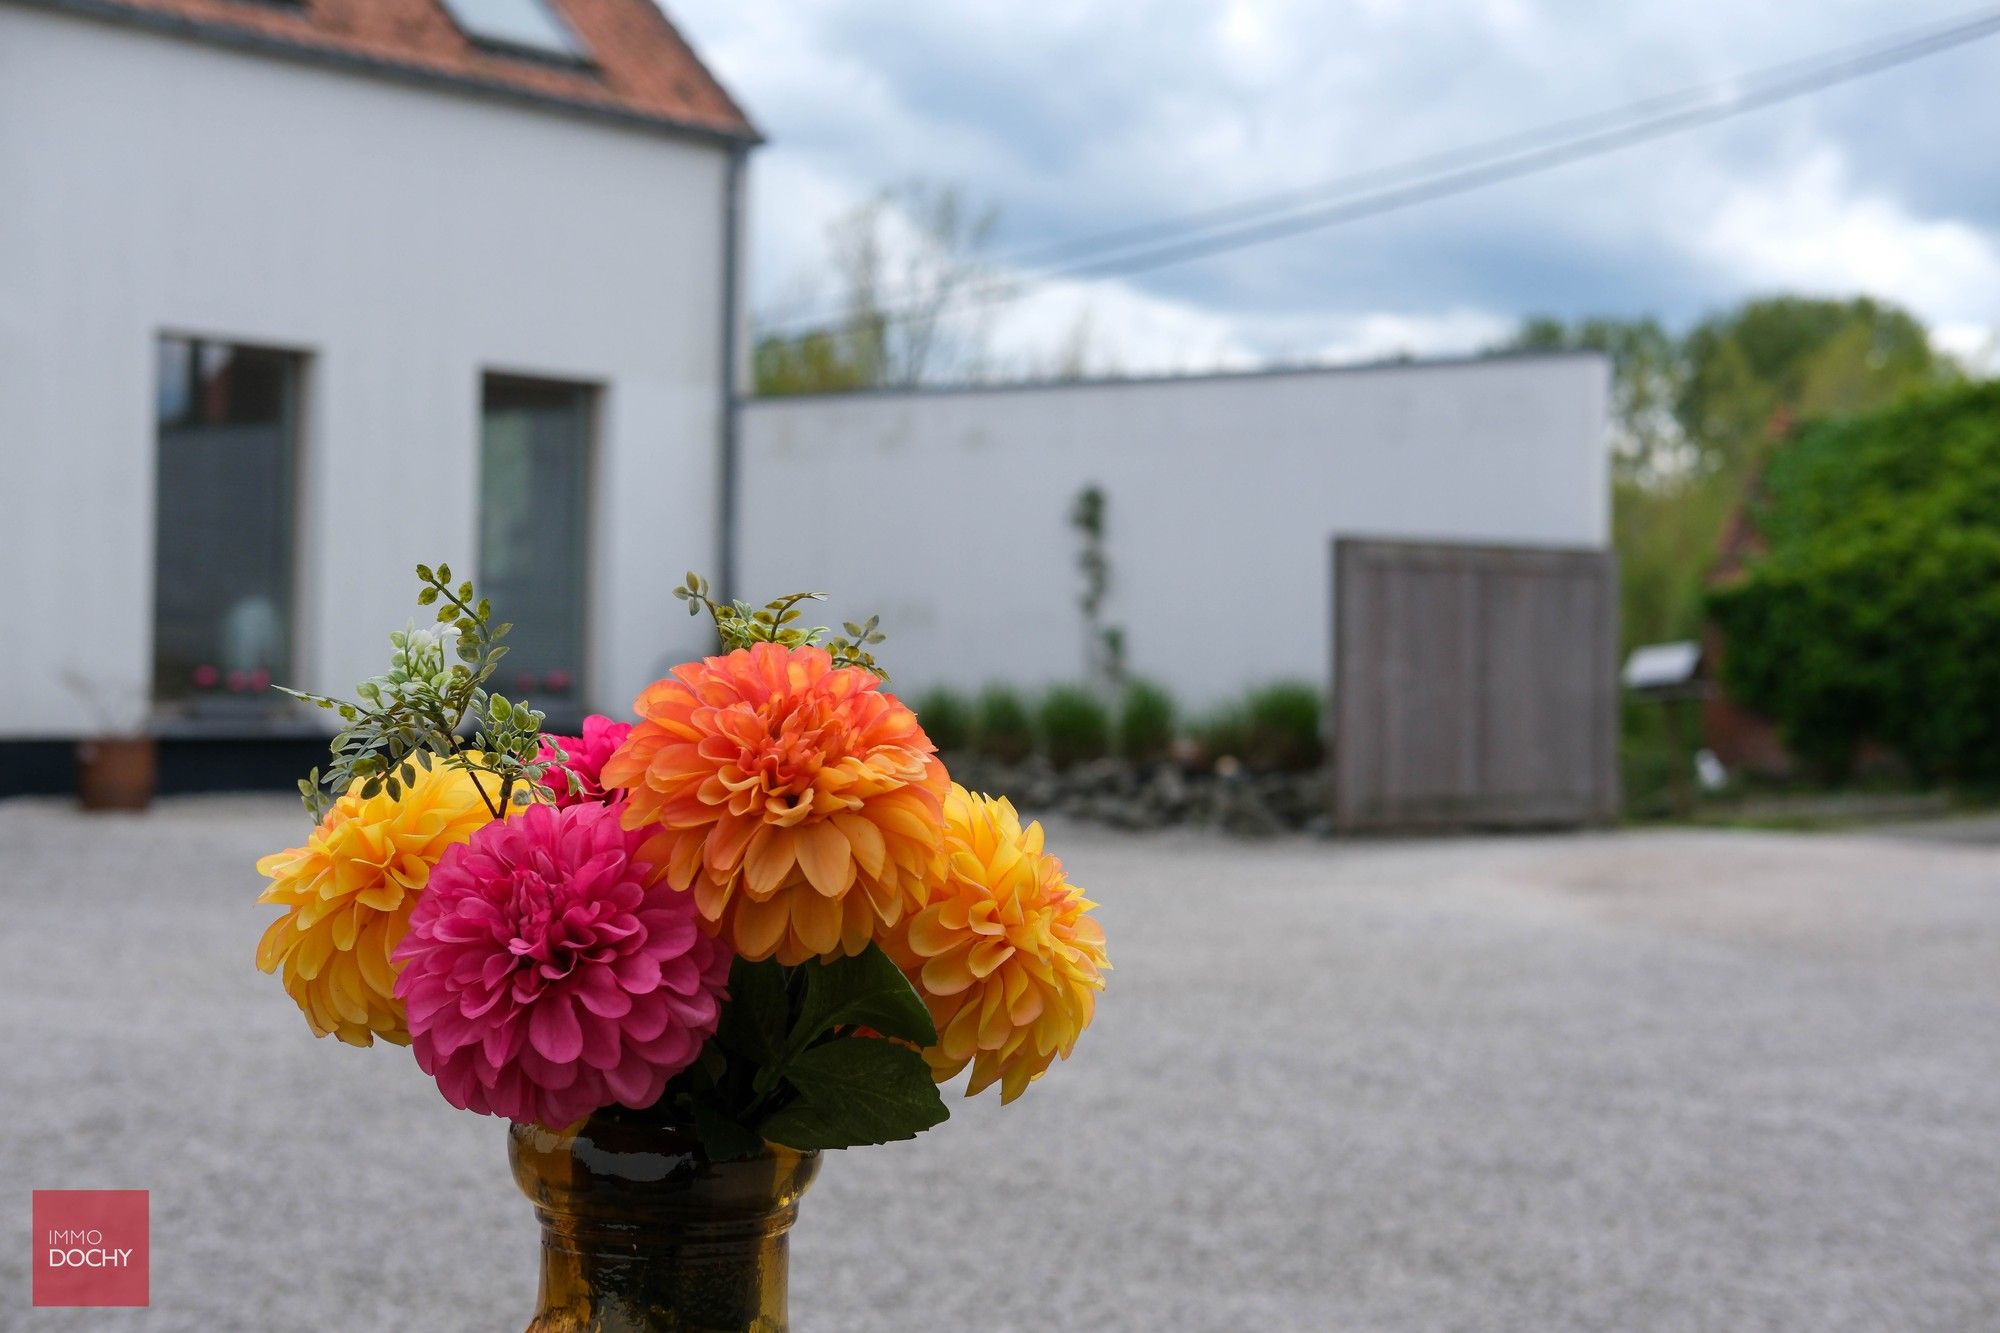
(545, 980)
(587, 754)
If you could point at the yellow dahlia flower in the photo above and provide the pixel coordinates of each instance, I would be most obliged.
(799, 803)
(1004, 955)
(348, 894)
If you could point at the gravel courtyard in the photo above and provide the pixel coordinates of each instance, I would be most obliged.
(1633, 1081)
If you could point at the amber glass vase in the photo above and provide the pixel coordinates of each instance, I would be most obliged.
(642, 1233)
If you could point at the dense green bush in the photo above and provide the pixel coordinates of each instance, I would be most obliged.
(1075, 726)
(1875, 614)
(1003, 729)
(1145, 723)
(1282, 724)
(946, 716)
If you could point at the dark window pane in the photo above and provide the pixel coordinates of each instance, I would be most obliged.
(223, 558)
(533, 511)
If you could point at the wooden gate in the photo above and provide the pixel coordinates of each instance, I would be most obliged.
(1473, 685)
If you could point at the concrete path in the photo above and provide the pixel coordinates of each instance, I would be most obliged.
(1651, 1081)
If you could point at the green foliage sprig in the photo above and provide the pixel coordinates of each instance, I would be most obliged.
(738, 625)
(1105, 644)
(433, 701)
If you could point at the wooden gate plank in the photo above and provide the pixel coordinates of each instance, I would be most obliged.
(1473, 685)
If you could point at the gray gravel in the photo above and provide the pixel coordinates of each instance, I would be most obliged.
(1642, 1081)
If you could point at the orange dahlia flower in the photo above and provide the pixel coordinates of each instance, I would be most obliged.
(801, 805)
(1004, 954)
(348, 894)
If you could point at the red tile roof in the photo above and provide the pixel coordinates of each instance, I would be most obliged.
(642, 70)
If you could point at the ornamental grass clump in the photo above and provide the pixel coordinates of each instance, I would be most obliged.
(757, 913)
(1146, 718)
(1074, 726)
(948, 719)
(1003, 729)
(1281, 728)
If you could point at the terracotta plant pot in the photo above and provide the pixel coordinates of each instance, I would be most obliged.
(642, 1233)
(115, 773)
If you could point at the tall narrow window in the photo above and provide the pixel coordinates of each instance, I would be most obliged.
(534, 503)
(222, 569)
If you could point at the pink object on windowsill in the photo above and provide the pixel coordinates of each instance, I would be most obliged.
(207, 676)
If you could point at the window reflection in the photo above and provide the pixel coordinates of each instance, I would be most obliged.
(224, 525)
(534, 501)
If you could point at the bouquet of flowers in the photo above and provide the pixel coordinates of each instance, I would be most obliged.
(761, 910)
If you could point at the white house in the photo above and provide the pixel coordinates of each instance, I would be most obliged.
(297, 293)
(947, 510)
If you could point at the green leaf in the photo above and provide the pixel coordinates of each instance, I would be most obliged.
(444, 573)
(866, 990)
(753, 1022)
(722, 1138)
(424, 573)
(854, 1091)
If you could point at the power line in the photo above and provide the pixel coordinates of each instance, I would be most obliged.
(1544, 159)
(1198, 235)
(1248, 209)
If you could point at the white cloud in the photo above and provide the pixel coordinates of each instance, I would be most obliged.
(1977, 346)
(1082, 118)
(1813, 229)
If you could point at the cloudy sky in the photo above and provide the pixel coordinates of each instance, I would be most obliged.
(1078, 118)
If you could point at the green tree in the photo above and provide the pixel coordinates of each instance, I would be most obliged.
(1756, 371)
(905, 263)
(1696, 417)
(1648, 373)
(822, 361)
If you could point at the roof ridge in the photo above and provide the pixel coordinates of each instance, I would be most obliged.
(650, 79)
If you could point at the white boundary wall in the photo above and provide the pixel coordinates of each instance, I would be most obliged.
(405, 240)
(946, 511)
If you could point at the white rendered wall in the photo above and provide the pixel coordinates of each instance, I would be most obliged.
(406, 240)
(946, 511)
